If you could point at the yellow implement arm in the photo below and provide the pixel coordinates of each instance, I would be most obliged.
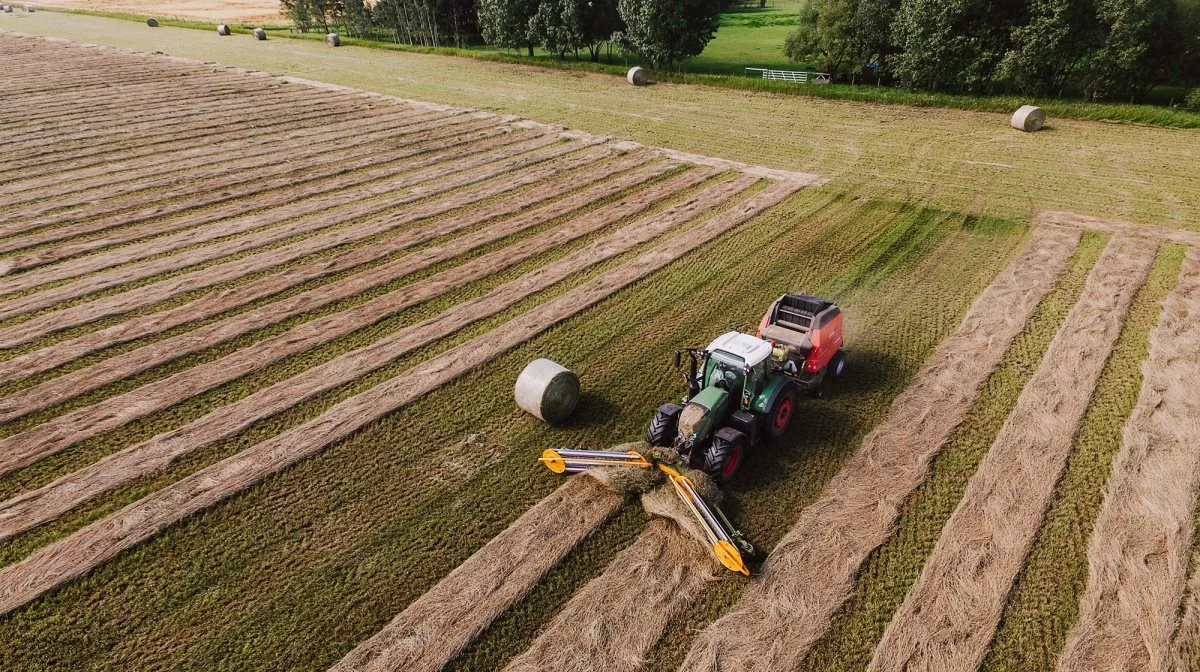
(726, 542)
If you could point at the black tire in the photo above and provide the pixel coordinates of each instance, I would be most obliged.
(723, 459)
(837, 364)
(786, 400)
(662, 429)
(817, 391)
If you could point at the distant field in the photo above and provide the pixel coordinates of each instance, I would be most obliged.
(751, 38)
(209, 11)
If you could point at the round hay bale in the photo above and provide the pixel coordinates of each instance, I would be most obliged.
(637, 76)
(153, 23)
(29, 8)
(333, 40)
(259, 34)
(8, 9)
(547, 390)
(223, 29)
(1029, 119)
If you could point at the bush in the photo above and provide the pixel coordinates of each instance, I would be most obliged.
(1192, 100)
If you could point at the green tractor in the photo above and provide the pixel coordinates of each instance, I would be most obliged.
(742, 389)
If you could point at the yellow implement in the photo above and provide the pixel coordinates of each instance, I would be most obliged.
(723, 538)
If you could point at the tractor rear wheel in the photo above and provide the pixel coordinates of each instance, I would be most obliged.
(723, 458)
(781, 414)
(662, 428)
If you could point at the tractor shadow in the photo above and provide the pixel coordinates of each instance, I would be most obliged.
(593, 410)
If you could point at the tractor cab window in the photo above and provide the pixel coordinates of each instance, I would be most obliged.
(727, 372)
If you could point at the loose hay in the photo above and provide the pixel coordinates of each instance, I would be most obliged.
(812, 570)
(438, 625)
(1138, 552)
(949, 617)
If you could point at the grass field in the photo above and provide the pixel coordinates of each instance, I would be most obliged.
(253, 410)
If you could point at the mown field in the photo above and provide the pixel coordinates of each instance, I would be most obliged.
(254, 409)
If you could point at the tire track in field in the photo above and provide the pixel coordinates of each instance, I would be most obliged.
(474, 169)
(949, 616)
(211, 152)
(220, 179)
(1138, 551)
(55, 435)
(448, 141)
(219, 302)
(812, 570)
(363, 167)
(100, 541)
(129, 175)
(442, 622)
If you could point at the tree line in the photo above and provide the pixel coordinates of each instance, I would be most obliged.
(1098, 49)
(664, 32)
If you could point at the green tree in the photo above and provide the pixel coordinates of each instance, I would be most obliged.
(666, 32)
(308, 15)
(1135, 50)
(953, 43)
(872, 29)
(826, 36)
(1048, 50)
(509, 23)
(566, 26)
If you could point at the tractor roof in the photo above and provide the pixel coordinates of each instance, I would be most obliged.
(752, 350)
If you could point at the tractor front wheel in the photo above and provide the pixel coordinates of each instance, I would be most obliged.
(662, 428)
(781, 415)
(723, 458)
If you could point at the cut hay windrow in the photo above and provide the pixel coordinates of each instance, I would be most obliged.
(314, 189)
(222, 272)
(35, 507)
(182, 164)
(610, 623)
(811, 572)
(210, 305)
(272, 114)
(74, 383)
(1139, 549)
(355, 168)
(949, 616)
(439, 624)
(246, 171)
(88, 548)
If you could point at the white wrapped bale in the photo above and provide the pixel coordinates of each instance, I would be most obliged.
(153, 23)
(259, 34)
(29, 8)
(223, 29)
(333, 40)
(547, 390)
(7, 8)
(637, 76)
(1029, 119)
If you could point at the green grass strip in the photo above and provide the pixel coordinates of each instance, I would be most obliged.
(892, 569)
(1045, 600)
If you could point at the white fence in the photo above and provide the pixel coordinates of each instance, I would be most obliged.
(791, 76)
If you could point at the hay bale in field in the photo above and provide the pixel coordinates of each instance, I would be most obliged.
(1029, 118)
(6, 8)
(152, 22)
(637, 76)
(259, 34)
(223, 29)
(333, 40)
(547, 390)
(29, 8)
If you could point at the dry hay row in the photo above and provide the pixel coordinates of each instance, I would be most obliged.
(121, 195)
(110, 127)
(274, 119)
(442, 622)
(137, 175)
(35, 507)
(218, 302)
(612, 622)
(250, 138)
(472, 170)
(1138, 551)
(1070, 219)
(366, 166)
(77, 382)
(242, 113)
(449, 141)
(23, 448)
(95, 544)
(42, 78)
(949, 616)
(811, 572)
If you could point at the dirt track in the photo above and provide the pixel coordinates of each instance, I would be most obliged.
(811, 571)
(1139, 550)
